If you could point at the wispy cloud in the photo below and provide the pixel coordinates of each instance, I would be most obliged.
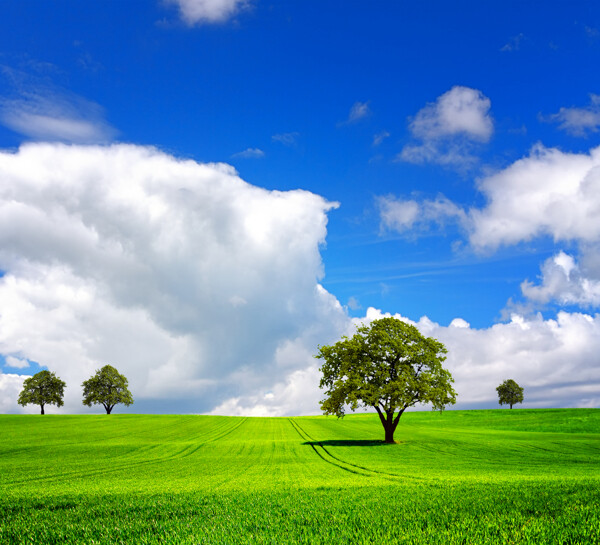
(249, 153)
(359, 111)
(287, 138)
(592, 33)
(197, 12)
(578, 121)
(42, 111)
(353, 303)
(513, 44)
(380, 137)
(413, 217)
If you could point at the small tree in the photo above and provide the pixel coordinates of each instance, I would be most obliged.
(43, 388)
(509, 393)
(107, 387)
(387, 365)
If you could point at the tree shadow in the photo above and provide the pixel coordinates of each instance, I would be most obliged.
(346, 443)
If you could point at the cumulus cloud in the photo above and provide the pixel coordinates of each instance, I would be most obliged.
(554, 360)
(563, 281)
(197, 286)
(16, 363)
(445, 131)
(10, 386)
(197, 12)
(40, 110)
(549, 193)
(578, 121)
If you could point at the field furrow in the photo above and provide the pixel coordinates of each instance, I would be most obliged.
(516, 477)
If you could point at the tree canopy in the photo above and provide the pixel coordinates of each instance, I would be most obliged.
(43, 388)
(509, 393)
(108, 388)
(387, 365)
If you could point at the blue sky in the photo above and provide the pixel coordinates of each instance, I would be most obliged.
(456, 139)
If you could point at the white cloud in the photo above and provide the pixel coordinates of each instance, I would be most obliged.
(380, 137)
(249, 153)
(459, 322)
(353, 303)
(298, 394)
(10, 387)
(554, 360)
(461, 110)
(578, 121)
(446, 130)
(417, 216)
(17, 363)
(359, 111)
(195, 12)
(39, 110)
(563, 281)
(513, 44)
(286, 138)
(548, 193)
(55, 125)
(190, 281)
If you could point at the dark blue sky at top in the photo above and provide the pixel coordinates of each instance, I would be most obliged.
(210, 92)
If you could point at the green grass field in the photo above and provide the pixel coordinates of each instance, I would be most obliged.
(520, 476)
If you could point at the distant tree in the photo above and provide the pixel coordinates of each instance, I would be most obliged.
(387, 365)
(509, 393)
(108, 388)
(43, 388)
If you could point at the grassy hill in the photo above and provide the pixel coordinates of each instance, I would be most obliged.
(520, 476)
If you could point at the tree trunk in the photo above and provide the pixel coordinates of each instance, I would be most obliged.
(389, 422)
(389, 433)
(108, 409)
(42, 406)
(511, 405)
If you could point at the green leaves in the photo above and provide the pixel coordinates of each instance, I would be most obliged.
(387, 365)
(108, 388)
(43, 388)
(509, 393)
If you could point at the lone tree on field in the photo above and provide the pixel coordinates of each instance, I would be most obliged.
(387, 365)
(43, 388)
(107, 387)
(509, 393)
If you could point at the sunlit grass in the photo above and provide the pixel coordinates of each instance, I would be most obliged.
(520, 476)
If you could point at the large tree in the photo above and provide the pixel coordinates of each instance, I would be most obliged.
(107, 387)
(43, 388)
(387, 365)
(509, 393)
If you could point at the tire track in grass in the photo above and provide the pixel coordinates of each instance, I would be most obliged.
(180, 453)
(353, 468)
(327, 457)
(227, 432)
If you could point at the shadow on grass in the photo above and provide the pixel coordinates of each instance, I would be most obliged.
(346, 443)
